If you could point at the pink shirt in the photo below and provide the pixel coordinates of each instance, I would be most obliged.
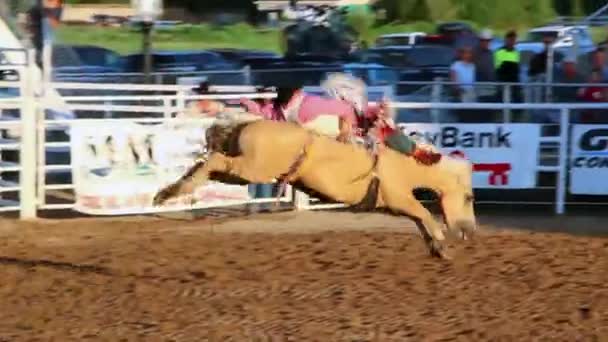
(266, 110)
(312, 106)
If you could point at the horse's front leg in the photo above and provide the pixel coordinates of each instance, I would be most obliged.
(199, 174)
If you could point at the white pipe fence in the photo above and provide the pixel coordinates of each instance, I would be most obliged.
(32, 185)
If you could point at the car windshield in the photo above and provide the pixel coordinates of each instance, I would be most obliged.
(538, 36)
(79, 56)
(194, 58)
(416, 57)
(388, 41)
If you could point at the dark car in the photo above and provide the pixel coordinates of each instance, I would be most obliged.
(243, 57)
(178, 61)
(420, 63)
(187, 63)
(456, 34)
(74, 58)
(298, 70)
(453, 27)
(85, 63)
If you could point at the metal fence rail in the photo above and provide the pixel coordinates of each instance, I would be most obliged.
(55, 181)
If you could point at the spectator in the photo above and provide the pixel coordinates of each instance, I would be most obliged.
(204, 107)
(538, 69)
(484, 67)
(593, 93)
(42, 22)
(506, 60)
(569, 73)
(484, 58)
(598, 63)
(462, 72)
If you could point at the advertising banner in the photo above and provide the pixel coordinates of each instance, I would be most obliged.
(589, 160)
(503, 155)
(118, 167)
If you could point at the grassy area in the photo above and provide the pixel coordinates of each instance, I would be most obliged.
(124, 40)
(186, 37)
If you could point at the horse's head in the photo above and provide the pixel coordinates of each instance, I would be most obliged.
(457, 198)
(223, 136)
(216, 136)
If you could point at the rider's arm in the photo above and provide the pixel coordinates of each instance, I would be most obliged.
(252, 106)
(346, 129)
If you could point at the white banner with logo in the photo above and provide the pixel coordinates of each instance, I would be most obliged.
(589, 160)
(118, 167)
(503, 155)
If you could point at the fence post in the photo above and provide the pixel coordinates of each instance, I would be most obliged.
(247, 74)
(506, 98)
(436, 98)
(167, 108)
(180, 101)
(27, 177)
(562, 174)
(301, 200)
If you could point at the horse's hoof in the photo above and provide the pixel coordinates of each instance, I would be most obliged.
(438, 250)
(467, 233)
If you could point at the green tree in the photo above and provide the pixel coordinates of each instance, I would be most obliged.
(362, 21)
(577, 8)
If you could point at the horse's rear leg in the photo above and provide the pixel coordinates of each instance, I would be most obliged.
(427, 225)
(200, 172)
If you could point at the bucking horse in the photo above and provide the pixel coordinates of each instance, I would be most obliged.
(263, 151)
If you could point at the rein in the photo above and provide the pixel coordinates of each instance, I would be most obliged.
(284, 178)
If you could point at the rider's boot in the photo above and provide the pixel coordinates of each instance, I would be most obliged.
(426, 156)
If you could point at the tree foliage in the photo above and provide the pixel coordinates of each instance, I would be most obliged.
(501, 14)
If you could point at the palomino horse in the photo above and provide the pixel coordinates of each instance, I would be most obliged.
(263, 151)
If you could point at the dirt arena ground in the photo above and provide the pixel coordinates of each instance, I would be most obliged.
(300, 277)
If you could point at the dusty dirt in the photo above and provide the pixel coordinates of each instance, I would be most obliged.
(317, 277)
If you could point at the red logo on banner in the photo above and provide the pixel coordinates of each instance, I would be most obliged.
(498, 171)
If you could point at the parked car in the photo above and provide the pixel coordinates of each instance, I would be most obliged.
(85, 63)
(243, 57)
(183, 63)
(421, 63)
(300, 70)
(179, 61)
(66, 58)
(564, 37)
(400, 39)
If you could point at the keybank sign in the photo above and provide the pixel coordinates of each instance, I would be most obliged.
(466, 137)
(589, 161)
(504, 155)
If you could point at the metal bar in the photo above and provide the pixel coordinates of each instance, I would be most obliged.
(560, 195)
(548, 168)
(119, 108)
(204, 121)
(57, 206)
(55, 168)
(28, 146)
(488, 105)
(59, 186)
(158, 98)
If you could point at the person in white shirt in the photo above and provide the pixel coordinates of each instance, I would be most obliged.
(462, 73)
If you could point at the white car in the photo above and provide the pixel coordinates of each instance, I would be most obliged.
(399, 39)
(564, 37)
